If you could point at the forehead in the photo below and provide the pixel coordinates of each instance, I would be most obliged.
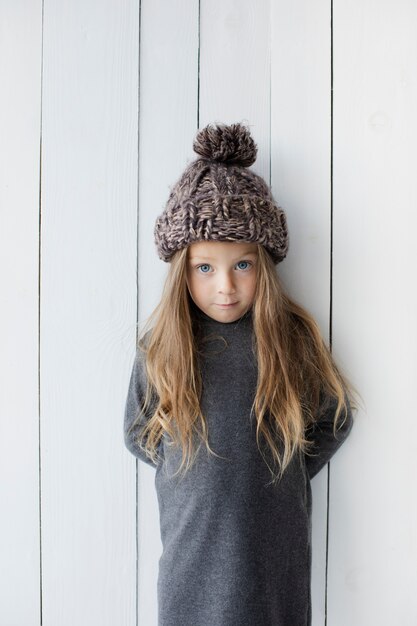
(212, 249)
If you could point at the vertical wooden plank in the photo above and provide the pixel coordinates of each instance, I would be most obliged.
(20, 112)
(373, 574)
(88, 310)
(300, 156)
(168, 123)
(234, 69)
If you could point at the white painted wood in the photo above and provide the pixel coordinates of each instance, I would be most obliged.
(373, 574)
(88, 310)
(300, 157)
(168, 123)
(20, 106)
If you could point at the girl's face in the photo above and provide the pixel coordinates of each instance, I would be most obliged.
(221, 273)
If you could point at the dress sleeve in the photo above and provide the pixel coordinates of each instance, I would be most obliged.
(321, 432)
(135, 396)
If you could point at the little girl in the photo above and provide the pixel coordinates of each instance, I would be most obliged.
(234, 398)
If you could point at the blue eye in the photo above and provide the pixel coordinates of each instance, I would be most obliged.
(205, 265)
(243, 262)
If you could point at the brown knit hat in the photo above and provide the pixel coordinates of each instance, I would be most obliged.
(217, 198)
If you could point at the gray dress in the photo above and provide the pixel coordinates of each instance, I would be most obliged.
(236, 549)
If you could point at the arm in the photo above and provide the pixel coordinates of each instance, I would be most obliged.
(135, 396)
(321, 432)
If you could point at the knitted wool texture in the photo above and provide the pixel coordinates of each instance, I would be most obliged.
(217, 198)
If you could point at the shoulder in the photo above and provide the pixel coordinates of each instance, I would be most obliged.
(141, 354)
(143, 341)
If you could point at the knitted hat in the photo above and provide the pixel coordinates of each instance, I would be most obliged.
(217, 198)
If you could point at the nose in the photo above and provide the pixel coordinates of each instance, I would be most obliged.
(226, 284)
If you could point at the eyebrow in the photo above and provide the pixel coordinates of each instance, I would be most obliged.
(193, 258)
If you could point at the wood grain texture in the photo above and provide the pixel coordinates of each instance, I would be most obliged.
(20, 122)
(373, 498)
(88, 310)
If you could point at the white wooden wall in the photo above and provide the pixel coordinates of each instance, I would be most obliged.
(100, 103)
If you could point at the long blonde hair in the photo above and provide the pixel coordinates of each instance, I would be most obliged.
(295, 370)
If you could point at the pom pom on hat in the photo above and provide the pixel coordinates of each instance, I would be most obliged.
(226, 144)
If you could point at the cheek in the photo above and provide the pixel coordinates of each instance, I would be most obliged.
(195, 285)
(251, 286)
